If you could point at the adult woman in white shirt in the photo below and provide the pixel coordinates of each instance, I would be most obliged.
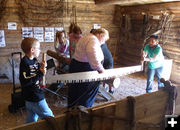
(88, 57)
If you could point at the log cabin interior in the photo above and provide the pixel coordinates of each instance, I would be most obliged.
(129, 22)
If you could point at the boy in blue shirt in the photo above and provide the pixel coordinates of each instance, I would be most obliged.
(153, 55)
(31, 72)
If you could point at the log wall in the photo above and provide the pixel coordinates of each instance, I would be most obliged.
(134, 29)
(87, 14)
(38, 13)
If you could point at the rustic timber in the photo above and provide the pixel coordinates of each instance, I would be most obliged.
(87, 14)
(59, 57)
(115, 115)
(131, 33)
(130, 2)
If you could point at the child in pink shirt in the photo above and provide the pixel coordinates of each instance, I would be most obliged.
(74, 37)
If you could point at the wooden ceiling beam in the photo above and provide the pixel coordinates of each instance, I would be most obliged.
(130, 2)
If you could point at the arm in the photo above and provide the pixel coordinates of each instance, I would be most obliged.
(70, 46)
(56, 45)
(155, 54)
(154, 58)
(25, 78)
(143, 55)
(66, 49)
(70, 52)
(95, 55)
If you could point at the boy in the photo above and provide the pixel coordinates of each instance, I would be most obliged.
(153, 55)
(30, 74)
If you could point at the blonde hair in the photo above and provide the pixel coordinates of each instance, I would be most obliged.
(27, 43)
(101, 31)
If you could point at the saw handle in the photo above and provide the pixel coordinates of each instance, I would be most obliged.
(43, 69)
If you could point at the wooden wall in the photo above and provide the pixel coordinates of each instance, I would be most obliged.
(128, 33)
(38, 13)
(134, 29)
(87, 14)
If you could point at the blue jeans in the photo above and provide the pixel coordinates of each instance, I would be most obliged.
(36, 110)
(150, 77)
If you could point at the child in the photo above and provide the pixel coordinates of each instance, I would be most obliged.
(61, 44)
(154, 56)
(107, 64)
(74, 37)
(31, 72)
(62, 48)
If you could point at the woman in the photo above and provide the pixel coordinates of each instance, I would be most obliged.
(107, 64)
(88, 57)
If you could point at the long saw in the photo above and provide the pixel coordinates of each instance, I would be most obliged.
(90, 76)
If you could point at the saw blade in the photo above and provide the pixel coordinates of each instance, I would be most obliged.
(90, 76)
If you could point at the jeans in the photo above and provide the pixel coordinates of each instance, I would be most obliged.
(36, 110)
(150, 77)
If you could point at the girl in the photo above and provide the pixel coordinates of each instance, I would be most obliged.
(61, 43)
(74, 37)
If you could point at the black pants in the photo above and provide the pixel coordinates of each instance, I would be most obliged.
(81, 93)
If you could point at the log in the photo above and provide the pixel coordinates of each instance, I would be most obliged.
(58, 57)
(129, 2)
